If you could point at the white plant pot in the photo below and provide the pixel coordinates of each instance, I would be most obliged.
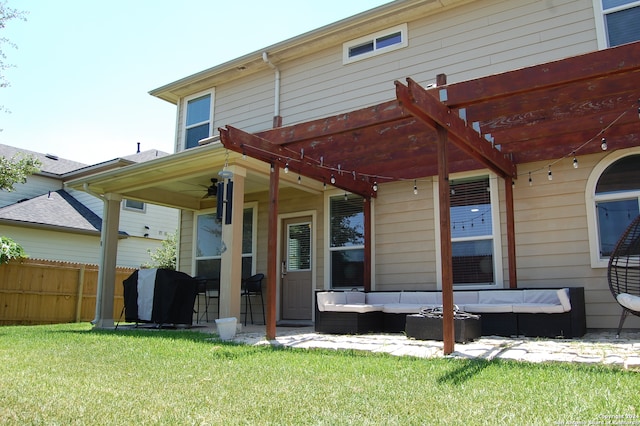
(226, 328)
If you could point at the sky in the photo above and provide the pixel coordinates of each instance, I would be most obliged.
(82, 69)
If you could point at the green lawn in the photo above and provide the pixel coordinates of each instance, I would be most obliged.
(71, 374)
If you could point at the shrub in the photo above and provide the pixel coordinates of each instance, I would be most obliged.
(9, 249)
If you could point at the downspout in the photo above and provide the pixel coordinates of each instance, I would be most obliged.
(98, 314)
(277, 119)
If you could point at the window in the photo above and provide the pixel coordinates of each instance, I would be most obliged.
(375, 44)
(472, 232)
(133, 205)
(198, 120)
(620, 22)
(346, 237)
(475, 232)
(616, 203)
(209, 245)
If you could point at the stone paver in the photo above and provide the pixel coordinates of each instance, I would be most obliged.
(596, 347)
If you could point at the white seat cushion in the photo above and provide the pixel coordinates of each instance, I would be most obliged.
(405, 308)
(563, 296)
(330, 298)
(538, 308)
(629, 301)
(358, 308)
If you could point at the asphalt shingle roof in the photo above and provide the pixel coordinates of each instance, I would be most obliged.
(58, 209)
(50, 163)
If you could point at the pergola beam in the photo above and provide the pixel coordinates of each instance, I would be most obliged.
(424, 106)
(264, 150)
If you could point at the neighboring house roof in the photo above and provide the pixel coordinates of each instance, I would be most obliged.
(51, 164)
(53, 210)
(58, 209)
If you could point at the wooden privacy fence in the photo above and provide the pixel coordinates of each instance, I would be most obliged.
(34, 291)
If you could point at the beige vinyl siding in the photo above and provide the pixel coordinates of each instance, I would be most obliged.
(404, 237)
(185, 243)
(247, 104)
(552, 239)
(474, 40)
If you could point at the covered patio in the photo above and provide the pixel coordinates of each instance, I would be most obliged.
(552, 112)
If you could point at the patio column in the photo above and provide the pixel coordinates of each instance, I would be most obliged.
(108, 256)
(231, 260)
(272, 252)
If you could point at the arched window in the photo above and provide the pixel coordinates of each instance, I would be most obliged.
(616, 202)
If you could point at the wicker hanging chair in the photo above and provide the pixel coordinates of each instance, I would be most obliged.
(623, 272)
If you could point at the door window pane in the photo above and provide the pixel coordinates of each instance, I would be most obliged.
(299, 247)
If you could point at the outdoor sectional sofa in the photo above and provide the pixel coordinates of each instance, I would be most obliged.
(548, 312)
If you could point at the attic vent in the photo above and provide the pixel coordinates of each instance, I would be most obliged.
(51, 156)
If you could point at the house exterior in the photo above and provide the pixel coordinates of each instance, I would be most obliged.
(541, 223)
(56, 223)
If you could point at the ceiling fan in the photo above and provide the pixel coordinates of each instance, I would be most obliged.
(212, 190)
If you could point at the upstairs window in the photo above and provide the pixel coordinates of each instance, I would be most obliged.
(375, 44)
(198, 120)
(621, 19)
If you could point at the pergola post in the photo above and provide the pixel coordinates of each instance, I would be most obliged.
(272, 252)
(448, 329)
(511, 233)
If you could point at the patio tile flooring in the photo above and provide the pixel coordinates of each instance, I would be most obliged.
(595, 347)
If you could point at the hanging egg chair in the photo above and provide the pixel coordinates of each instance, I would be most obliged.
(623, 272)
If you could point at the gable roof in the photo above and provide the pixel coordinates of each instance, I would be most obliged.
(56, 210)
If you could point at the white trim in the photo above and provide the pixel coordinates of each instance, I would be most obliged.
(601, 33)
(591, 199)
(404, 42)
(183, 107)
(498, 274)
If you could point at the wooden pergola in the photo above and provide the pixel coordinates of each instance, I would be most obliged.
(542, 113)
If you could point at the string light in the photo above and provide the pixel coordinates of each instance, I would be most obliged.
(299, 180)
(415, 187)
(286, 167)
(530, 179)
(375, 186)
(549, 174)
(603, 145)
(575, 161)
(333, 179)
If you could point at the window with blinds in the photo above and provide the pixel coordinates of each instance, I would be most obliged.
(346, 248)
(621, 21)
(472, 238)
